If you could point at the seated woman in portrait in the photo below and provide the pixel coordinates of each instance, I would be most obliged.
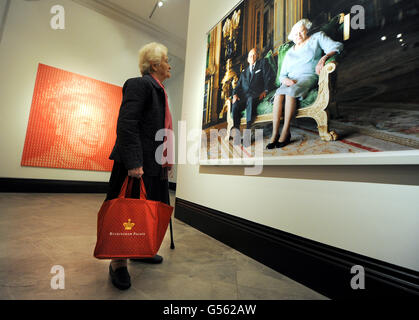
(299, 73)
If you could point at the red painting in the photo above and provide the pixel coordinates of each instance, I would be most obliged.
(72, 123)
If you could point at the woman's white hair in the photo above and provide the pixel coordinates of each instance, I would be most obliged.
(303, 22)
(151, 53)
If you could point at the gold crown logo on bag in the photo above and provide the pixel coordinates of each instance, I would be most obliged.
(129, 225)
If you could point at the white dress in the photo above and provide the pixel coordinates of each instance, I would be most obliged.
(301, 64)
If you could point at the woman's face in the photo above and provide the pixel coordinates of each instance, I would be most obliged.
(162, 70)
(84, 130)
(300, 34)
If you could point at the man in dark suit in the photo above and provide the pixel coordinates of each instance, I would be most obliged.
(254, 83)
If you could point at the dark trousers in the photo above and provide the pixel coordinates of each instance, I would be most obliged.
(157, 188)
(250, 105)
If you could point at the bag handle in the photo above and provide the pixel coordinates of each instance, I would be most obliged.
(127, 187)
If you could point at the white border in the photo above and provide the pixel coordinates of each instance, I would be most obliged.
(409, 157)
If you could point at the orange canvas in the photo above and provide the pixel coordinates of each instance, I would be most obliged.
(72, 123)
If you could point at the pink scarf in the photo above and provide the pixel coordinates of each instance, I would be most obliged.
(168, 139)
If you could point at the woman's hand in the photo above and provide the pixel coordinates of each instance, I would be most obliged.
(320, 64)
(136, 172)
(289, 82)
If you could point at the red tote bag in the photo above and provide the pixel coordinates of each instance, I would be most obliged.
(131, 228)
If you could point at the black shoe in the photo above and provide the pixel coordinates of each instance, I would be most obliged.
(120, 277)
(271, 145)
(153, 260)
(284, 143)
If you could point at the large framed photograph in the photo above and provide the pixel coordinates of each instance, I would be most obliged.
(313, 82)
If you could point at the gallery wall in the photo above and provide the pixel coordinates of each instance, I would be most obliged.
(369, 210)
(91, 44)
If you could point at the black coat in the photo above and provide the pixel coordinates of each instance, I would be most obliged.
(141, 115)
(253, 85)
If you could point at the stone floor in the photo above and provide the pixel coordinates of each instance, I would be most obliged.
(38, 231)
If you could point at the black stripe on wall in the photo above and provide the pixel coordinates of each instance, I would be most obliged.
(321, 267)
(56, 186)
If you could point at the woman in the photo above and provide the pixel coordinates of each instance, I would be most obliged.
(144, 111)
(299, 73)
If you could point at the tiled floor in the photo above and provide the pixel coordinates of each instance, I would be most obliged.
(38, 231)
